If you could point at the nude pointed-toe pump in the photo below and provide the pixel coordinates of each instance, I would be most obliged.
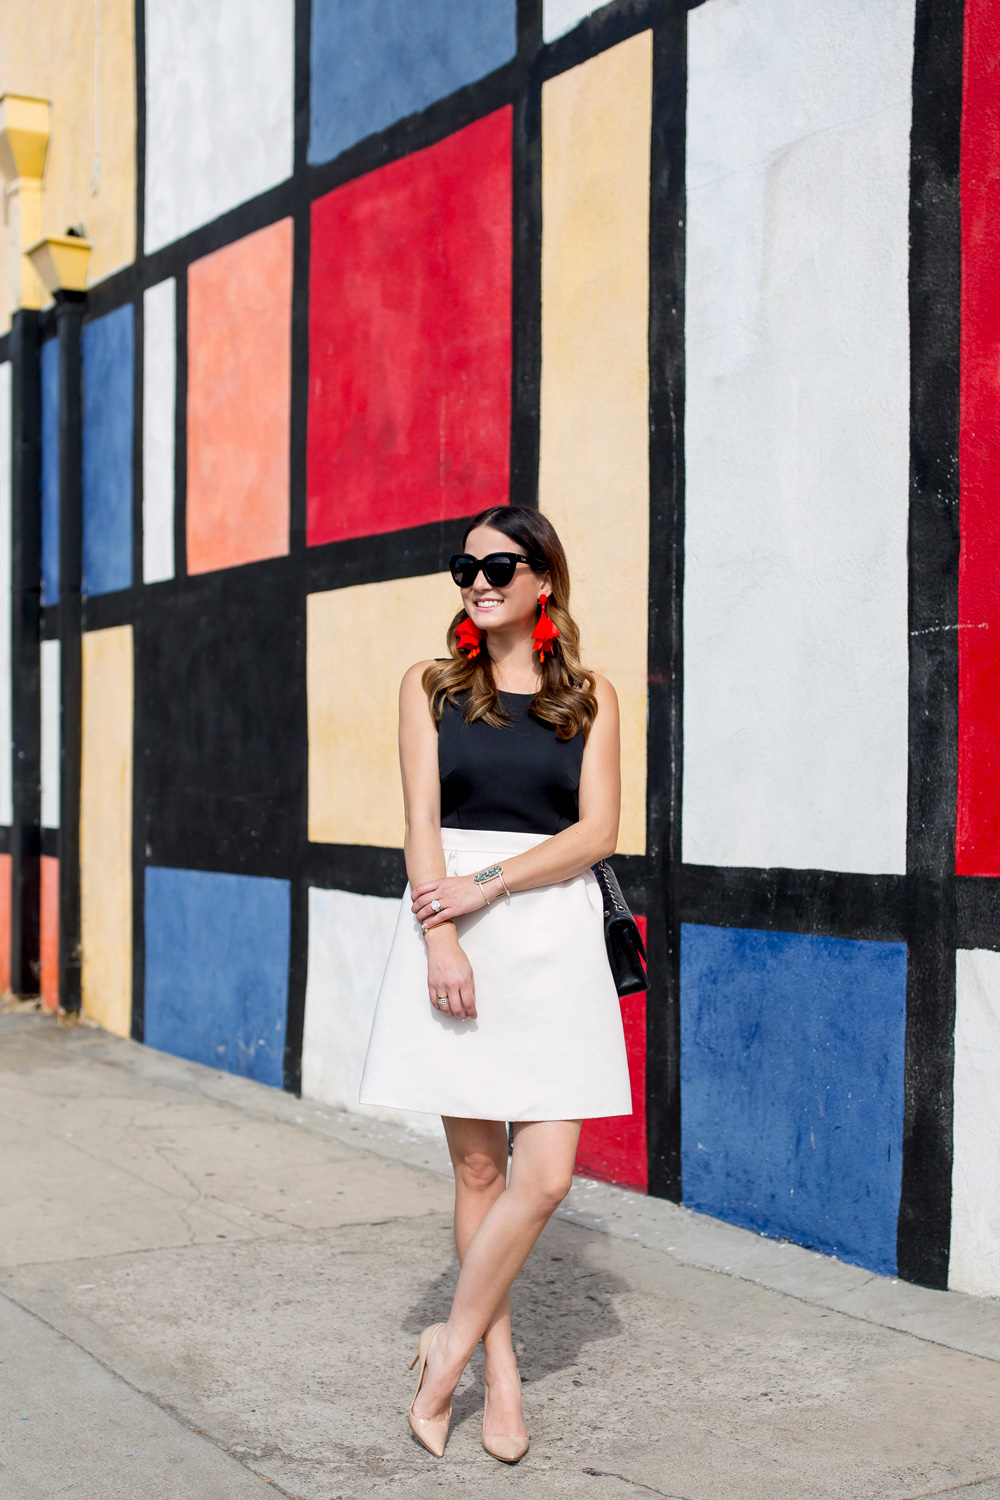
(509, 1450)
(505, 1447)
(431, 1431)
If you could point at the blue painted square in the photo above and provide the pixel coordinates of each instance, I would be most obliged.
(217, 949)
(108, 362)
(792, 1086)
(374, 64)
(50, 472)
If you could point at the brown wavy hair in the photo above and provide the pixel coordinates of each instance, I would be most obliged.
(566, 697)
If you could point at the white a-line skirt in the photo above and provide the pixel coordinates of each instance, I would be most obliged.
(547, 1043)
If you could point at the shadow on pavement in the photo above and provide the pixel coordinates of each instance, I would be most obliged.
(561, 1306)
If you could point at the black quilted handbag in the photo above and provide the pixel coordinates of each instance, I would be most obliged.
(626, 950)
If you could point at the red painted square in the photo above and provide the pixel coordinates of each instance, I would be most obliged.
(49, 934)
(238, 401)
(978, 824)
(615, 1149)
(410, 339)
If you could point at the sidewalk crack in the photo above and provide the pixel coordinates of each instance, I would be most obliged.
(967, 1484)
(637, 1483)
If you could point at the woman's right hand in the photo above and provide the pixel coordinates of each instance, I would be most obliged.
(449, 973)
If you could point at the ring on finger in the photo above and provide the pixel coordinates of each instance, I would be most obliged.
(435, 905)
(443, 1003)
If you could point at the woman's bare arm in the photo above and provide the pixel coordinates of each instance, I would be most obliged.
(448, 969)
(418, 763)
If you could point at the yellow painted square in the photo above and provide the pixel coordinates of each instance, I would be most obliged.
(594, 458)
(106, 828)
(360, 642)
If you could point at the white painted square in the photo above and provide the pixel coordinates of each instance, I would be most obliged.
(560, 16)
(349, 938)
(6, 745)
(159, 381)
(975, 1193)
(797, 434)
(51, 737)
(219, 108)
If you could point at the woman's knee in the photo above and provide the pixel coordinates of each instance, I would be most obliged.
(478, 1172)
(549, 1190)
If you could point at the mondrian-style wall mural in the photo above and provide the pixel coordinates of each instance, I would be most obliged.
(716, 286)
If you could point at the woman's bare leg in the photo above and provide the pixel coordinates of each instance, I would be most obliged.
(541, 1173)
(479, 1156)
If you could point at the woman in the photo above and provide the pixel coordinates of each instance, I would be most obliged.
(511, 781)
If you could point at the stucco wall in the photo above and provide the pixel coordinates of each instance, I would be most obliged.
(354, 791)
(348, 945)
(978, 824)
(559, 16)
(797, 435)
(106, 827)
(218, 109)
(975, 1224)
(593, 480)
(159, 415)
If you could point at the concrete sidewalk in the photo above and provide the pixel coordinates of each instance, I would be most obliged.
(211, 1290)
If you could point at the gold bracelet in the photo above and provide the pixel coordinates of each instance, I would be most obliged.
(482, 887)
(483, 876)
(494, 873)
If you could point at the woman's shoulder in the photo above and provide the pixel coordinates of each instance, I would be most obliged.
(607, 701)
(604, 690)
(413, 692)
(415, 673)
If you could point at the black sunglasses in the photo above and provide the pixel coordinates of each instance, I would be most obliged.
(498, 569)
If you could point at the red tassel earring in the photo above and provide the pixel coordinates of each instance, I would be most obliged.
(468, 637)
(544, 636)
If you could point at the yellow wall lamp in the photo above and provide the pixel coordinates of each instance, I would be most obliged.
(60, 261)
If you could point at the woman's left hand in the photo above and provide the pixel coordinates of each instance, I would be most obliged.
(458, 894)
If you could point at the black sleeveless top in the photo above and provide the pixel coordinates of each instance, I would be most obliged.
(516, 779)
